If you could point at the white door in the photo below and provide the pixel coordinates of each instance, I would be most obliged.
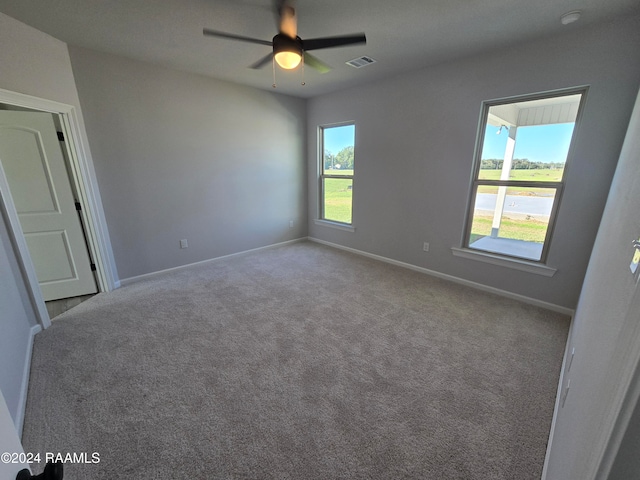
(32, 159)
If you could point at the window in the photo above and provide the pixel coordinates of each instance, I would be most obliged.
(337, 146)
(519, 173)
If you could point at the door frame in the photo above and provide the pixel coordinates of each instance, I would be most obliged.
(82, 177)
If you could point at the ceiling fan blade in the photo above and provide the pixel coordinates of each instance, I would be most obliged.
(232, 36)
(277, 8)
(288, 22)
(262, 62)
(315, 63)
(330, 42)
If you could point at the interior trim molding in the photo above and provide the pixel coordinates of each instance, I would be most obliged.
(503, 293)
(82, 176)
(24, 387)
(514, 263)
(336, 225)
(19, 245)
(128, 281)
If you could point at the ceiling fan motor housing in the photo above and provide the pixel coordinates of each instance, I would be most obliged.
(283, 43)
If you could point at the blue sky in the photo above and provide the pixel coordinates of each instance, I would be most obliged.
(336, 138)
(541, 143)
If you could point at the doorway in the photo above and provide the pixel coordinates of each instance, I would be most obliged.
(32, 156)
(89, 220)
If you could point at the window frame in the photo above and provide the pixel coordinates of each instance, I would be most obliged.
(322, 176)
(558, 186)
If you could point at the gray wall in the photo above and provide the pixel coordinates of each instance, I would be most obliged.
(36, 64)
(16, 322)
(179, 156)
(606, 330)
(415, 137)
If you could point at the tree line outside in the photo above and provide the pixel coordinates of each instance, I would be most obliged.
(519, 164)
(343, 160)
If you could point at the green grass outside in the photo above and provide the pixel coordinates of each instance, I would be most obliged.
(526, 230)
(338, 198)
(540, 175)
(338, 205)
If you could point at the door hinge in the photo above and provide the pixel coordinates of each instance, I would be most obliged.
(60, 136)
(78, 206)
(93, 267)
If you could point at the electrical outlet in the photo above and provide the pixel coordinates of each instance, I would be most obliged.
(184, 243)
(425, 246)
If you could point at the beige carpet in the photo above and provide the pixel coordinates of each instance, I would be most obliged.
(297, 362)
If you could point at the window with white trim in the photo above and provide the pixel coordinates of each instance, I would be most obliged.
(337, 155)
(521, 154)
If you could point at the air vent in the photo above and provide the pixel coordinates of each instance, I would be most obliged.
(361, 62)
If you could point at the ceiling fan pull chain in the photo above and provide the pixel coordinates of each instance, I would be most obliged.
(273, 64)
(303, 82)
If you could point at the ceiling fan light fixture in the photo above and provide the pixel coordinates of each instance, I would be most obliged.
(288, 60)
(287, 51)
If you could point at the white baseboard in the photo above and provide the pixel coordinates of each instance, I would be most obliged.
(532, 301)
(24, 388)
(503, 293)
(127, 281)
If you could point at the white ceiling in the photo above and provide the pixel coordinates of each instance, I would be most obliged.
(402, 35)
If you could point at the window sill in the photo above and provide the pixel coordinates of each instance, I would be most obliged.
(336, 225)
(514, 263)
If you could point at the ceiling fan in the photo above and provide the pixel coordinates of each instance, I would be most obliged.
(288, 49)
